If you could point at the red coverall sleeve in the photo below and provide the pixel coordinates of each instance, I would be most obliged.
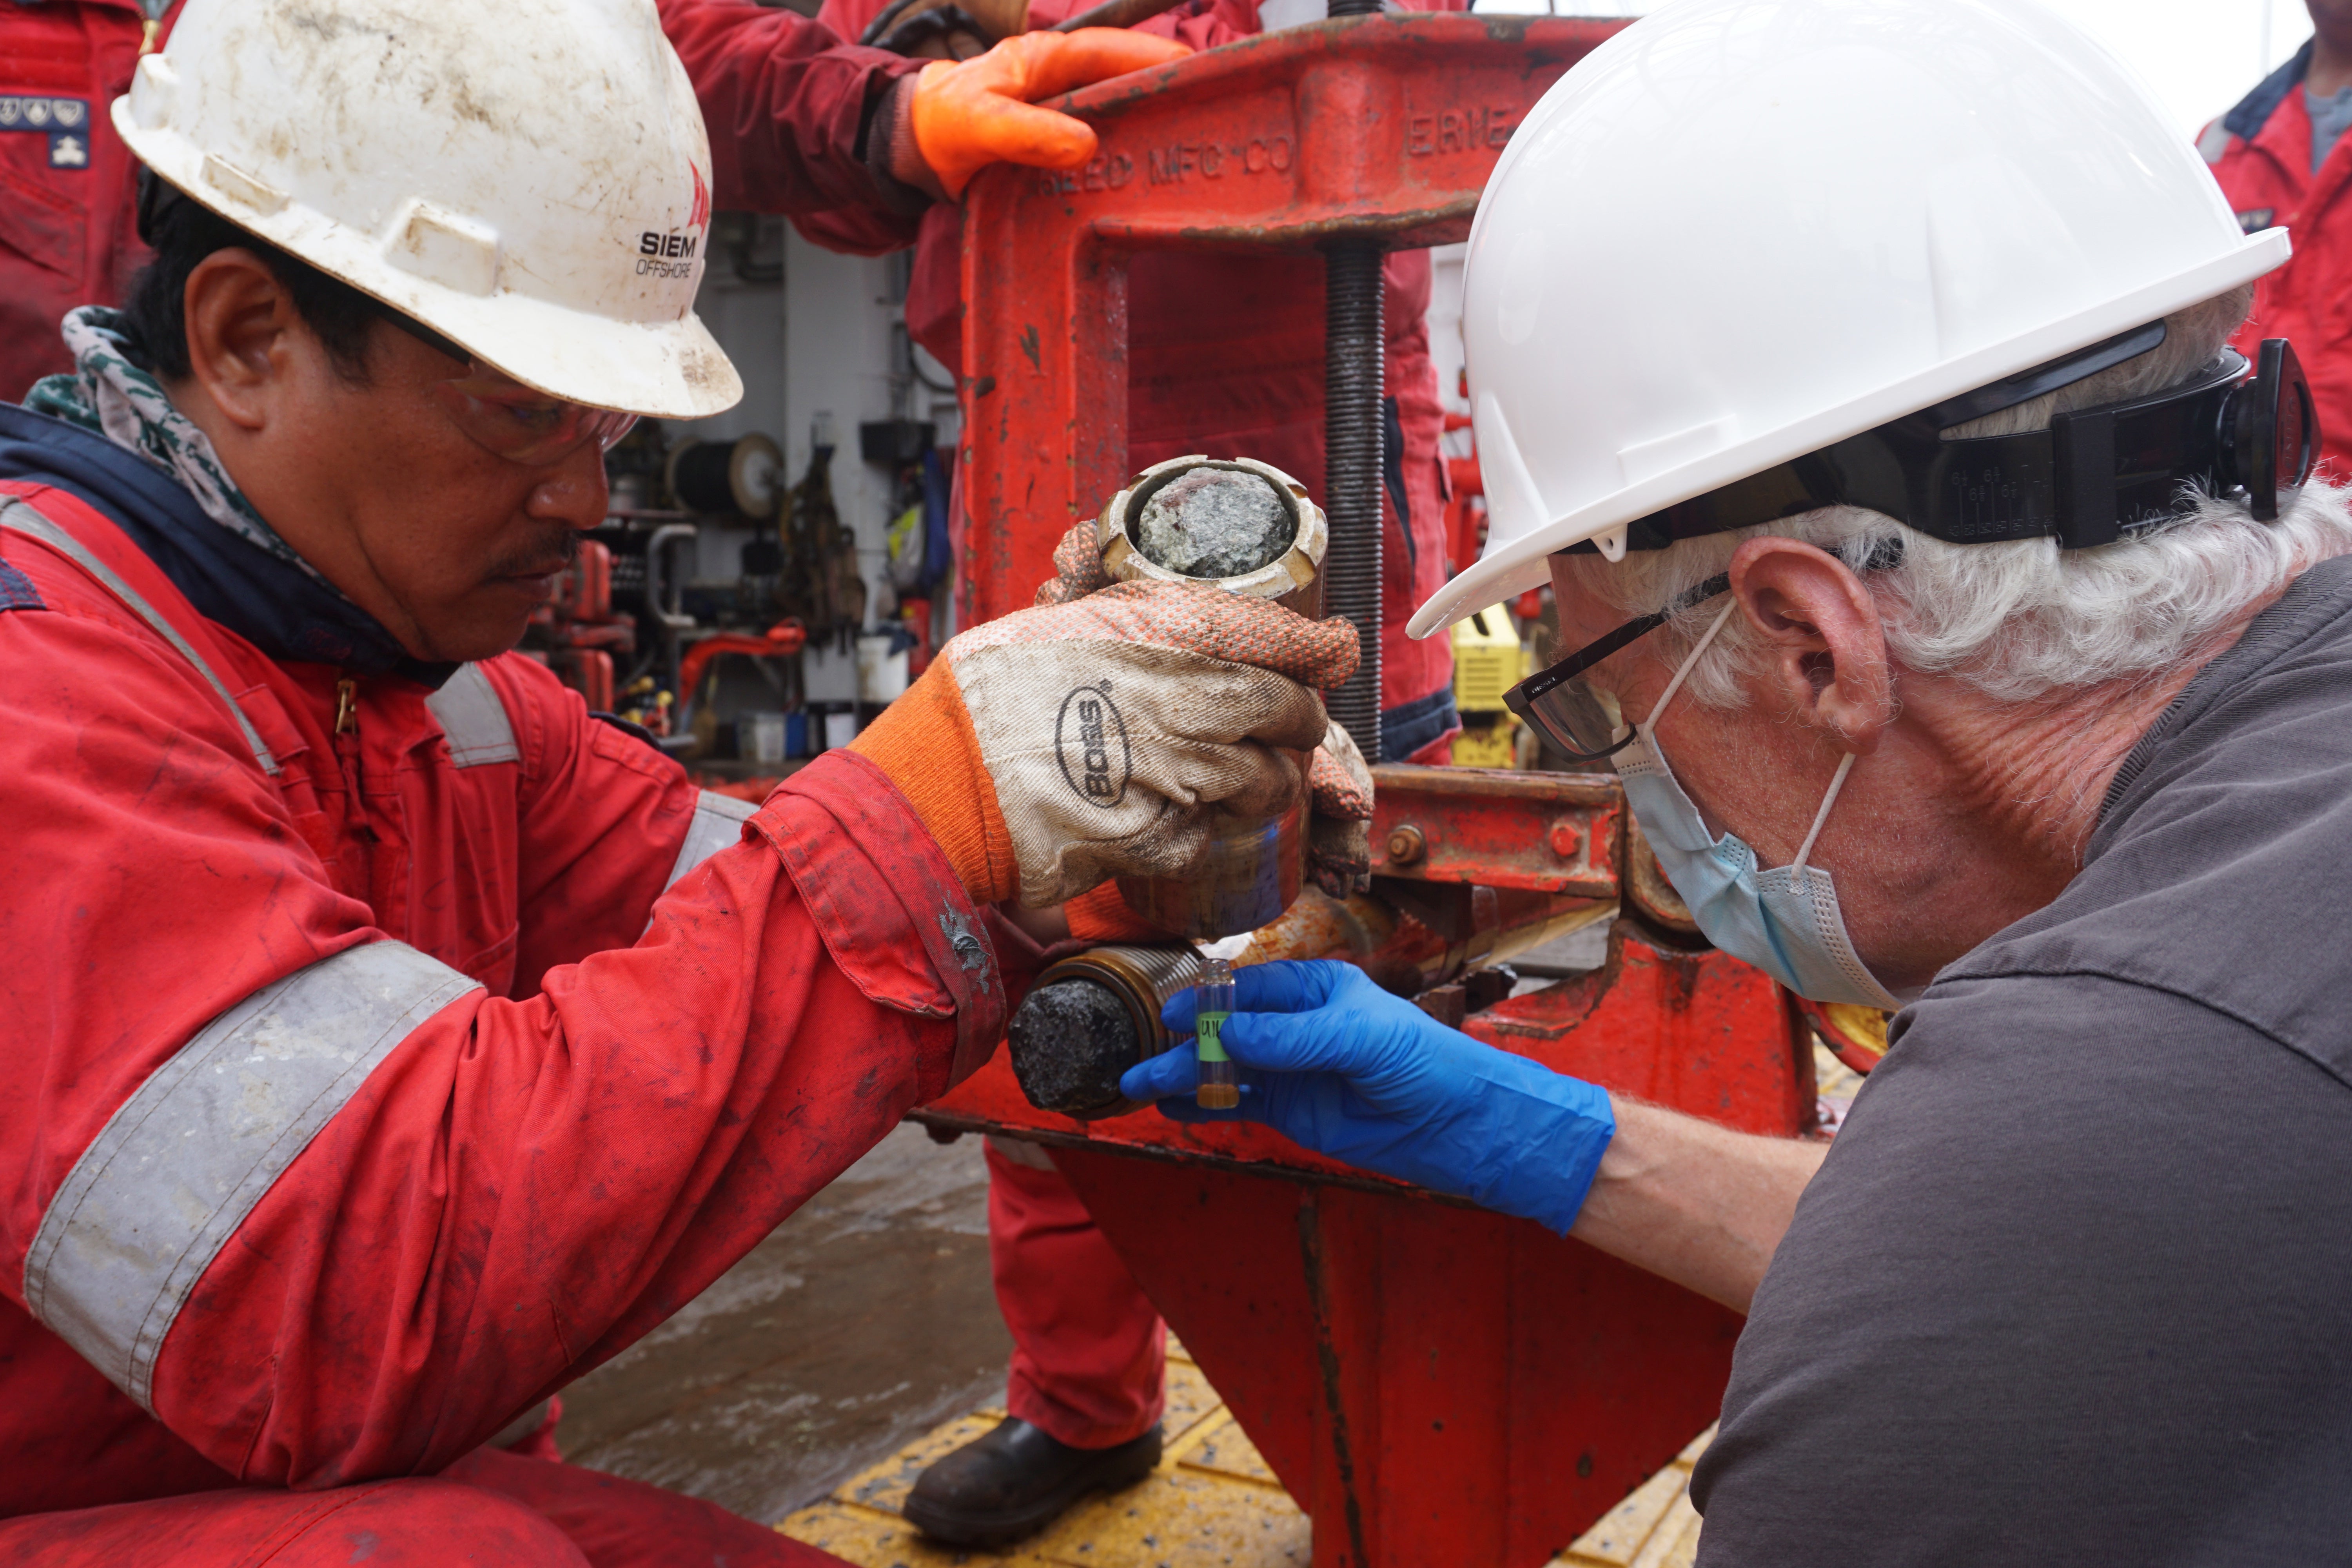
(785, 100)
(858, 231)
(316, 1285)
(604, 821)
(874, 230)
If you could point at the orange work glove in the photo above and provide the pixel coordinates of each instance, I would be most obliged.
(968, 114)
(1051, 749)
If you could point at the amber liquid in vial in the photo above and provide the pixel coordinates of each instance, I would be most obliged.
(1213, 996)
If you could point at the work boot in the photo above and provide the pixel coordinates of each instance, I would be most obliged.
(1016, 1481)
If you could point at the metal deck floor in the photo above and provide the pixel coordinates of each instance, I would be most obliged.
(1211, 1503)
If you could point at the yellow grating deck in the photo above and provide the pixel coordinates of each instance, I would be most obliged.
(1211, 1503)
(1654, 1527)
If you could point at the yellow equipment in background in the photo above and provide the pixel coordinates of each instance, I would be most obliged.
(1487, 662)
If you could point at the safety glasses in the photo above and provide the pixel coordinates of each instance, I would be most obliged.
(1579, 718)
(503, 417)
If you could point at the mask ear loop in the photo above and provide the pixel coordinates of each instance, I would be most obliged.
(1650, 725)
(1837, 782)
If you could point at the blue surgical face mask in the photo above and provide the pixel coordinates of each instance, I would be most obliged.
(1785, 921)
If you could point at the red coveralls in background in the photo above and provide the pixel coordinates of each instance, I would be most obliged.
(787, 105)
(2260, 153)
(1226, 358)
(67, 231)
(1225, 353)
(589, 1035)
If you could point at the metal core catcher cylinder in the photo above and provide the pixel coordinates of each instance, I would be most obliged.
(1095, 1014)
(1251, 529)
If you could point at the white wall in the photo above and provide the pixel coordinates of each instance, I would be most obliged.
(1445, 352)
(820, 343)
(2200, 56)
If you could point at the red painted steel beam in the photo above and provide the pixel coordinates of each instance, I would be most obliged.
(1547, 833)
(1383, 126)
(1433, 1385)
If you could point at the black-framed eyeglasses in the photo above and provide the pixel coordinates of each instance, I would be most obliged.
(1578, 717)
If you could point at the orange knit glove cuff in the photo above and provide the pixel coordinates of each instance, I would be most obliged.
(925, 743)
(1103, 916)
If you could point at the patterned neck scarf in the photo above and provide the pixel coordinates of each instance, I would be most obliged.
(111, 393)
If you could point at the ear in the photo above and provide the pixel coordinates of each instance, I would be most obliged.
(1827, 650)
(243, 332)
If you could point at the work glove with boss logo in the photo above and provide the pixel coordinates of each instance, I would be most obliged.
(1054, 748)
(1340, 827)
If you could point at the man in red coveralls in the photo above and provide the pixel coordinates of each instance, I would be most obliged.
(1226, 359)
(395, 1041)
(2284, 162)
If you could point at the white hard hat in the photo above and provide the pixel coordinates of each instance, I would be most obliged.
(527, 178)
(1741, 230)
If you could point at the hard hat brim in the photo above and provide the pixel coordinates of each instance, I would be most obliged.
(661, 370)
(1524, 562)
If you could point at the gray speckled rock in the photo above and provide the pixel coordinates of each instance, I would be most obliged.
(1215, 522)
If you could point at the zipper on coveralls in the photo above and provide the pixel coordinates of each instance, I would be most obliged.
(347, 738)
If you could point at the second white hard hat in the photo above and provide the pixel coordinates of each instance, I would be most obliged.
(1741, 230)
(530, 179)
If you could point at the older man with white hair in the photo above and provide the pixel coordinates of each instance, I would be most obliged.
(1972, 638)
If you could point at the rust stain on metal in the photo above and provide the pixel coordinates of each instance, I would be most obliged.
(1553, 832)
(1327, 1361)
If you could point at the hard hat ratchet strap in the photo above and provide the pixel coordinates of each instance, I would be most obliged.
(2093, 476)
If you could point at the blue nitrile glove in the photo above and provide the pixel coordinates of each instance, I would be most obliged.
(1344, 1069)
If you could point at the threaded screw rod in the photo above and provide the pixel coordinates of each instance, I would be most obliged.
(1353, 372)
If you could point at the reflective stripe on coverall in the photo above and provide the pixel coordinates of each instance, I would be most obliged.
(352, 1116)
(2260, 153)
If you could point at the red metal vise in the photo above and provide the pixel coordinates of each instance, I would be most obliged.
(1433, 1384)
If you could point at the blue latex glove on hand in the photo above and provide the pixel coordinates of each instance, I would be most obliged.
(1340, 1066)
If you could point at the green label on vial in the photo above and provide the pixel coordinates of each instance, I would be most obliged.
(1210, 1050)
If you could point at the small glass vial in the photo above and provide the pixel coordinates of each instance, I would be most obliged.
(1213, 996)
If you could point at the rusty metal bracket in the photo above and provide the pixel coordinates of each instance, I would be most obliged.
(1547, 833)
